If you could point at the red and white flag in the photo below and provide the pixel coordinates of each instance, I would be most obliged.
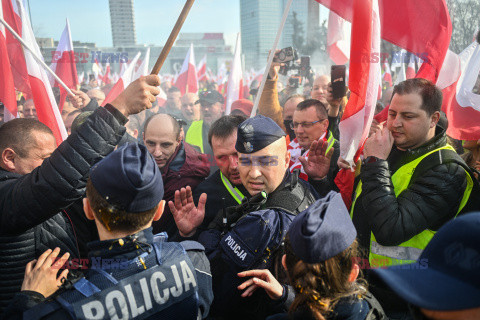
(387, 75)
(7, 89)
(462, 107)
(97, 71)
(43, 98)
(81, 77)
(143, 69)
(410, 73)
(65, 66)
(338, 39)
(107, 78)
(15, 49)
(202, 69)
(235, 78)
(364, 81)
(187, 77)
(417, 26)
(161, 97)
(125, 79)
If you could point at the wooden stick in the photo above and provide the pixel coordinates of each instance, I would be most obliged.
(173, 36)
(39, 60)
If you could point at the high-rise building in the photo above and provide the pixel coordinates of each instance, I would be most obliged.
(259, 22)
(122, 17)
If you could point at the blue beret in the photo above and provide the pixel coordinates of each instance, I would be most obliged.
(323, 230)
(256, 133)
(129, 178)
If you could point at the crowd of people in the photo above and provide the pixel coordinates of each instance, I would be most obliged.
(180, 211)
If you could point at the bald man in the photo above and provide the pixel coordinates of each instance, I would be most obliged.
(180, 164)
(96, 94)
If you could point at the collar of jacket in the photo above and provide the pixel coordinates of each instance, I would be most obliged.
(439, 140)
(123, 248)
(6, 175)
(176, 161)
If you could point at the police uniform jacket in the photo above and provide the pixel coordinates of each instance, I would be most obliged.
(32, 206)
(130, 264)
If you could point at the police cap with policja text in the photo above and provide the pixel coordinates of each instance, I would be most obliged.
(323, 230)
(256, 133)
(129, 179)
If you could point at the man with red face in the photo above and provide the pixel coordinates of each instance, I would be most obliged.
(225, 183)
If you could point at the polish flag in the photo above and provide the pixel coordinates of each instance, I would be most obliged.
(65, 67)
(43, 98)
(7, 89)
(457, 80)
(81, 77)
(106, 78)
(410, 73)
(125, 79)
(187, 77)
(364, 80)
(235, 78)
(401, 75)
(202, 69)
(161, 97)
(338, 39)
(15, 50)
(143, 69)
(97, 71)
(417, 26)
(387, 76)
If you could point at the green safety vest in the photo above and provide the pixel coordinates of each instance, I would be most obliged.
(410, 250)
(194, 134)
(330, 142)
(234, 192)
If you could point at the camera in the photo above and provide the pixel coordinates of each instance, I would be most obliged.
(298, 70)
(285, 55)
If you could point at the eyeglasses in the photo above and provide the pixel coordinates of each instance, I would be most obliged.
(306, 125)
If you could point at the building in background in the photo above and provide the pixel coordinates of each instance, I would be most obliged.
(122, 18)
(259, 22)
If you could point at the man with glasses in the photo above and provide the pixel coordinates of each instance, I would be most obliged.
(314, 147)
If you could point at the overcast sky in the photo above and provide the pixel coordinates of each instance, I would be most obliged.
(154, 19)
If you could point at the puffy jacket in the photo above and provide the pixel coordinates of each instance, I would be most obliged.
(33, 216)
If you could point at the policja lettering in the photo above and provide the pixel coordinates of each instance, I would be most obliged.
(236, 248)
(158, 287)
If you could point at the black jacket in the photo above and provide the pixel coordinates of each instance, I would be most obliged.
(33, 215)
(429, 202)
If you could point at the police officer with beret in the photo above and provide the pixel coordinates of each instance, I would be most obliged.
(133, 274)
(249, 235)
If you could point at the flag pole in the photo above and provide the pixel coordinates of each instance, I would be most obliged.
(270, 58)
(39, 60)
(173, 36)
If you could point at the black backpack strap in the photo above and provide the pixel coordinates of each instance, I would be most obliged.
(376, 311)
(293, 199)
(444, 156)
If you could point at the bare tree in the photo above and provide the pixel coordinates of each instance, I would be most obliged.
(465, 16)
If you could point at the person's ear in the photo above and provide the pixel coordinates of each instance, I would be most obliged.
(8, 159)
(435, 117)
(159, 212)
(354, 273)
(88, 209)
(287, 159)
(284, 261)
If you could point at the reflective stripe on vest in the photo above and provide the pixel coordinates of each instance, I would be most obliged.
(410, 250)
(330, 142)
(194, 134)
(234, 192)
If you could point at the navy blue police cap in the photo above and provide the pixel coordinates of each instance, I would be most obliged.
(323, 230)
(256, 133)
(129, 179)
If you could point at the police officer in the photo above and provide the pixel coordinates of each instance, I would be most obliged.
(133, 274)
(250, 234)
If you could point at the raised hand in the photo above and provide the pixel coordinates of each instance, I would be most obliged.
(318, 163)
(80, 99)
(260, 279)
(41, 275)
(379, 144)
(138, 96)
(187, 216)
